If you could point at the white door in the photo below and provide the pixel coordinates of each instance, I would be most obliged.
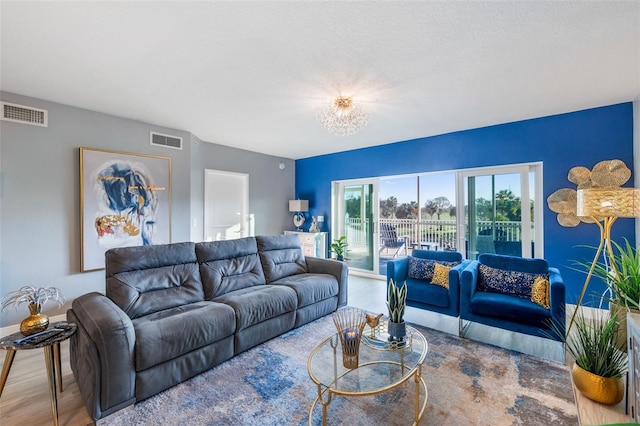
(226, 205)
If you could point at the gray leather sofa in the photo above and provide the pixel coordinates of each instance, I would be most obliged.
(173, 311)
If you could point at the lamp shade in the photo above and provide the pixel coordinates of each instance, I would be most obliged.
(298, 205)
(608, 202)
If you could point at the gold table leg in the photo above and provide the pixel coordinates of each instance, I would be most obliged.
(8, 360)
(56, 357)
(417, 377)
(51, 373)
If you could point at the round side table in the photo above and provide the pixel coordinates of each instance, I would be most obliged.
(50, 342)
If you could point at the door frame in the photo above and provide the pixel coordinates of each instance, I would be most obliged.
(523, 169)
(213, 177)
(338, 211)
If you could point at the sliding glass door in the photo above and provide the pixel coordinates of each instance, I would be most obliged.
(354, 216)
(500, 208)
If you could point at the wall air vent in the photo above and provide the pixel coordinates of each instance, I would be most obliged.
(167, 141)
(24, 114)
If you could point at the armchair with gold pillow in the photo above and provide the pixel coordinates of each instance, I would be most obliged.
(514, 293)
(432, 277)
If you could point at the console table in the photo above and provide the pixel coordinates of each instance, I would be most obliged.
(313, 244)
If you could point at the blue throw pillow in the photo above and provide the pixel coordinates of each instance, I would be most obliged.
(420, 269)
(506, 282)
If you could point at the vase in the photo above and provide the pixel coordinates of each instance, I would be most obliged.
(396, 330)
(605, 390)
(34, 323)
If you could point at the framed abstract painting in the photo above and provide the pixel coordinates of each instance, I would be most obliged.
(125, 200)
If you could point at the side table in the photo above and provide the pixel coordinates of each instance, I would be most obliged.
(50, 342)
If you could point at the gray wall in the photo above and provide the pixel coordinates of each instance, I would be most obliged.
(39, 193)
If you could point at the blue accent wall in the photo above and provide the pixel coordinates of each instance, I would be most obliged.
(560, 142)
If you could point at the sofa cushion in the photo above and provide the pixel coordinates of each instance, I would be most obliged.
(420, 269)
(140, 293)
(260, 303)
(281, 256)
(515, 283)
(425, 293)
(146, 279)
(311, 288)
(441, 275)
(167, 334)
(515, 309)
(229, 265)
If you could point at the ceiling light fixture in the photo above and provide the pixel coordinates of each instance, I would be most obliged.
(342, 117)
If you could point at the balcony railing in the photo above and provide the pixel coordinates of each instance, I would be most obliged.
(441, 232)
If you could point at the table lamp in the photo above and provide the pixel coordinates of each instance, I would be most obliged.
(298, 207)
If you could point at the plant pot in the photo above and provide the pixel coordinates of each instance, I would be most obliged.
(396, 330)
(34, 323)
(340, 257)
(600, 389)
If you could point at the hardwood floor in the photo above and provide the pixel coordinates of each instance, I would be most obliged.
(25, 399)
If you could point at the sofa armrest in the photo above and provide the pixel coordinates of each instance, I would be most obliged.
(557, 299)
(397, 269)
(103, 358)
(340, 270)
(468, 280)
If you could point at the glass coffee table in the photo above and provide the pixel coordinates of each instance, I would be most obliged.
(382, 366)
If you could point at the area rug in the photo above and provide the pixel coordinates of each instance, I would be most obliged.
(468, 383)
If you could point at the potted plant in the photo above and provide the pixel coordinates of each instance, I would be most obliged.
(36, 298)
(396, 303)
(599, 364)
(622, 276)
(339, 247)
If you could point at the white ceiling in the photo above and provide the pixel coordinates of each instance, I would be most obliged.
(252, 74)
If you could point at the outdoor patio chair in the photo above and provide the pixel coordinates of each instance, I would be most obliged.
(391, 240)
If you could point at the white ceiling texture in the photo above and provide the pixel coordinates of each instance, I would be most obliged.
(252, 74)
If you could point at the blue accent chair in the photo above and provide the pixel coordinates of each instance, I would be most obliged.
(424, 295)
(512, 312)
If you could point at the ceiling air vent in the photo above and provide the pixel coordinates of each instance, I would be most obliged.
(166, 140)
(24, 114)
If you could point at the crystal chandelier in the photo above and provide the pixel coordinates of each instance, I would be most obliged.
(342, 117)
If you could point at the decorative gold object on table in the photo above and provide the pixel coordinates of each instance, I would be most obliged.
(372, 322)
(34, 323)
(36, 298)
(605, 390)
(350, 323)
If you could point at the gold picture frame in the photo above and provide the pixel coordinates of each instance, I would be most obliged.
(125, 200)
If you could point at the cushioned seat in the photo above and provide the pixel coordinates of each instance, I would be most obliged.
(311, 288)
(167, 334)
(514, 293)
(423, 292)
(418, 270)
(518, 309)
(262, 313)
(260, 303)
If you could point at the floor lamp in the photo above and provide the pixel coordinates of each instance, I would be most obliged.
(604, 206)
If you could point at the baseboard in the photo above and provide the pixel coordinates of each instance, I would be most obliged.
(14, 328)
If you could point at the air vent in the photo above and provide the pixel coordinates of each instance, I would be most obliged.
(166, 140)
(24, 114)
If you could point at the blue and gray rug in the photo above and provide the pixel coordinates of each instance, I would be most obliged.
(468, 383)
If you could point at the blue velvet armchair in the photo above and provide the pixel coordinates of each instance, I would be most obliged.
(496, 290)
(421, 291)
